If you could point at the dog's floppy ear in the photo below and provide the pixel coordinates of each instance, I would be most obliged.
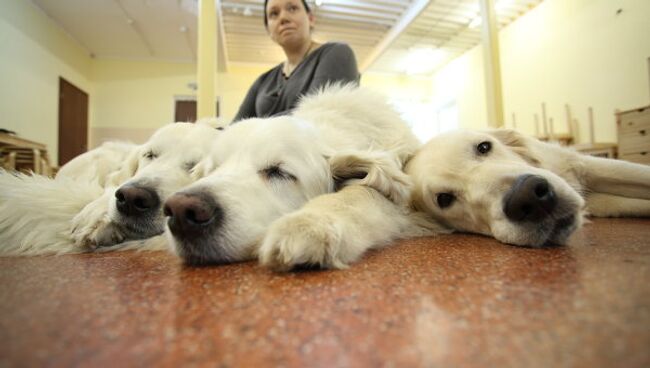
(516, 142)
(202, 168)
(126, 171)
(421, 199)
(216, 123)
(379, 170)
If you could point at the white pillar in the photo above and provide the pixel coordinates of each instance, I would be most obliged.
(206, 59)
(492, 64)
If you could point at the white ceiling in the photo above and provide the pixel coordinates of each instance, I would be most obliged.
(381, 32)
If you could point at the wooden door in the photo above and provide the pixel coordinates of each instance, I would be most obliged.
(73, 121)
(185, 111)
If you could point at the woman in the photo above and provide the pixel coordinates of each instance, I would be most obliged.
(308, 66)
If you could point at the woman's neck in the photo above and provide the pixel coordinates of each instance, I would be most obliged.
(296, 55)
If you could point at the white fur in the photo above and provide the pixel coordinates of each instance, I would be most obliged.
(35, 212)
(98, 164)
(449, 164)
(334, 230)
(339, 137)
(76, 212)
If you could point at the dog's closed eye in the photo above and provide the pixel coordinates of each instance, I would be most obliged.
(445, 200)
(188, 166)
(150, 155)
(276, 172)
(484, 148)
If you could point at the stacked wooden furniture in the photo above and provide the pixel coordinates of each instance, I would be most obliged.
(634, 135)
(606, 150)
(600, 149)
(593, 148)
(562, 139)
(23, 155)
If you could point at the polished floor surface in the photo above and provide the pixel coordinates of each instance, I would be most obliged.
(454, 300)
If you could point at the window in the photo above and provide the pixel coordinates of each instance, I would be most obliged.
(425, 119)
(447, 116)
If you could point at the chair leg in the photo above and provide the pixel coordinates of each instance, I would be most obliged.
(45, 168)
(9, 161)
(37, 162)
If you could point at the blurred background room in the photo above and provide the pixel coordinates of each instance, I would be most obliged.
(76, 73)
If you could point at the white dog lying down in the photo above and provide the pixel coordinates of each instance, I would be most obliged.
(520, 190)
(98, 165)
(261, 193)
(104, 197)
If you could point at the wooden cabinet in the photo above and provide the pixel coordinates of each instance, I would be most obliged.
(634, 135)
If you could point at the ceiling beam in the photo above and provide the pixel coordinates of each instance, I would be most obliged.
(409, 16)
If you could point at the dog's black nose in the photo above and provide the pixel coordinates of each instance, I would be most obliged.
(191, 214)
(531, 198)
(133, 200)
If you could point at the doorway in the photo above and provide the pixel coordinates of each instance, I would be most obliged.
(185, 111)
(73, 121)
(185, 108)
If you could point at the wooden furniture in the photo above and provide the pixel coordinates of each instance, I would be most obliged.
(634, 135)
(8, 160)
(593, 148)
(562, 139)
(606, 150)
(23, 155)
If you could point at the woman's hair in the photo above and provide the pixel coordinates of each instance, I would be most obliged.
(266, 20)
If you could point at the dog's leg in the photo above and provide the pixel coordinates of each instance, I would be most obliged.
(158, 242)
(333, 230)
(620, 178)
(607, 205)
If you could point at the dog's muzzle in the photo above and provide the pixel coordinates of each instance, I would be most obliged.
(192, 215)
(136, 201)
(531, 198)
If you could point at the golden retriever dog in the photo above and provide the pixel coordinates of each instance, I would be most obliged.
(98, 165)
(102, 198)
(270, 186)
(520, 190)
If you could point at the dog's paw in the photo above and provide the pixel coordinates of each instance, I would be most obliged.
(98, 235)
(302, 239)
(92, 228)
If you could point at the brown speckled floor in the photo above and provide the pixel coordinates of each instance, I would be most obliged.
(457, 300)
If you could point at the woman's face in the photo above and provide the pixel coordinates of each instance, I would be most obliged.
(289, 24)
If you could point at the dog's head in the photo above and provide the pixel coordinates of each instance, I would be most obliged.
(151, 173)
(492, 183)
(260, 170)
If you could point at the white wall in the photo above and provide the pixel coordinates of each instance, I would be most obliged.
(576, 52)
(34, 52)
(134, 97)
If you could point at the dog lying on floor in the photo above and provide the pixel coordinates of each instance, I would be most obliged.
(272, 187)
(98, 165)
(520, 190)
(102, 198)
